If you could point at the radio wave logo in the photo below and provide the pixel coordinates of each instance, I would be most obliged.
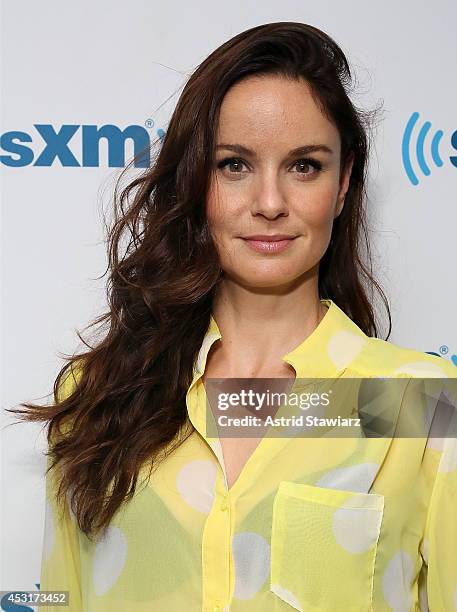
(419, 149)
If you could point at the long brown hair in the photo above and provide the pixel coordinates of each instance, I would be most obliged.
(125, 397)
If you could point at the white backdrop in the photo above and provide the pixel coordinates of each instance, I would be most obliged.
(97, 63)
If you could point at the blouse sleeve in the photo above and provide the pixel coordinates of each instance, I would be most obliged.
(60, 565)
(60, 561)
(439, 547)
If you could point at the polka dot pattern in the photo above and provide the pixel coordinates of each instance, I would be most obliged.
(109, 559)
(397, 582)
(356, 529)
(358, 478)
(251, 557)
(344, 346)
(448, 461)
(333, 540)
(435, 443)
(195, 483)
(420, 369)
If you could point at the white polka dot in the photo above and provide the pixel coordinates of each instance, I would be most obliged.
(195, 483)
(109, 559)
(204, 350)
(49, 531)
(436, 443)
(287, 596)
(356, 529)
(397, 581)
(251, 557)
(455, 599)
(344, 346)
(424, 369)
(357, 478)
(448, 462)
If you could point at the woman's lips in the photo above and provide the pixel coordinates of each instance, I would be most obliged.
(268, 246)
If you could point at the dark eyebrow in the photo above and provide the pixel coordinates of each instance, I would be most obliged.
(304, 150)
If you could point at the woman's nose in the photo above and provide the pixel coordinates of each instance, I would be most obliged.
(268, 197)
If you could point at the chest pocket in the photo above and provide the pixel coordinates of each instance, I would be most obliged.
(323, 547)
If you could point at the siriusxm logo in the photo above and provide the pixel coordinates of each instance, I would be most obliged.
(56, 145)
(418, 151)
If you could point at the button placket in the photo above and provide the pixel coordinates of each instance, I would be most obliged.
(224, 504)
(216, 555)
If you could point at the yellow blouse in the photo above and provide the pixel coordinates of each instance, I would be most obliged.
(310, 524)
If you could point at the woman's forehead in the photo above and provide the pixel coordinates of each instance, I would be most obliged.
(273, 109)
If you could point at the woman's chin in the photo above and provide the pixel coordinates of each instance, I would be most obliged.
(267, 278)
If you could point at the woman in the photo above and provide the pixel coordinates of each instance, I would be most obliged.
(244, 260)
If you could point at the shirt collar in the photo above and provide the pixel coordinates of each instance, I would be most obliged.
(327, 352)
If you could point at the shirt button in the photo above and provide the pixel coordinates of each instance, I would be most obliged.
(217, 608)
(224, 506)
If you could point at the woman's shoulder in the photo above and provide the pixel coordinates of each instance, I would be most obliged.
(67, 385)
(385, 358)
(69, 380)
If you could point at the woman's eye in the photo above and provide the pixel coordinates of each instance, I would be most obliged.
(235, 164)
(307, 164)
(230, 161)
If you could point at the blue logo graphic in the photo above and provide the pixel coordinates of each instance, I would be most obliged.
(16, 153)
(420, 146)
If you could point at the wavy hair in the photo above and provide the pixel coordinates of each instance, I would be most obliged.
(122, 401)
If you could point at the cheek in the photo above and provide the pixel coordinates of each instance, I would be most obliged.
(216, 216)
(319, 209)
(213, 210)
(214, 204)
(222, 212)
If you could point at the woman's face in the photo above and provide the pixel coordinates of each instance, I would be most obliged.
(270, 190)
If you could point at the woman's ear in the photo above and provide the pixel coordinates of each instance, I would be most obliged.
(344, 184)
